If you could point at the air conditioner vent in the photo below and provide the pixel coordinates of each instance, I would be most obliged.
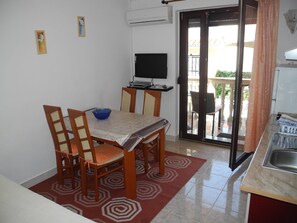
(291, 54)
(148, 16)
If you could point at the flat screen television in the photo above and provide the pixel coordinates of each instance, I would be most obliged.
(151, 65)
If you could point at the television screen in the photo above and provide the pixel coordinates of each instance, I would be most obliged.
(151, 65)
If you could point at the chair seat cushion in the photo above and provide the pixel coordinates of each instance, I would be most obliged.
(106, 154)
(150, 139)
(74, 148)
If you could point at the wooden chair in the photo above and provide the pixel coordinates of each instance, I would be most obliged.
(211, 108)
(103, 159)
(151, 106)
(66, 150)
(128, 99)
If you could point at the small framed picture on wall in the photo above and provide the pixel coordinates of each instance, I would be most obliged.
(81, 22)
(40, 41)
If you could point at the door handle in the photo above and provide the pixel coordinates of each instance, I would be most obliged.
(179, 80)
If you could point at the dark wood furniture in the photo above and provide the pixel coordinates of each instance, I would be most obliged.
(65, 149)
(128, 99)
(103, 159)
(127, 130)
(151, 106)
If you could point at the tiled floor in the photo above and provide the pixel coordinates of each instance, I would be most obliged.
(212, 195)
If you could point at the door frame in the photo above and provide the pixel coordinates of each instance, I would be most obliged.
(234, 160)
(218, 16)
(183, 78)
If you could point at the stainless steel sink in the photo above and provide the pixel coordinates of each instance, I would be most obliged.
(285, 159)
(282, 153)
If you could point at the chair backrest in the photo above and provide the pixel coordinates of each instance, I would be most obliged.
(128, 99)
(81, 132)
(57, 128)
(152, 103)
(210, 102)
(195, 101)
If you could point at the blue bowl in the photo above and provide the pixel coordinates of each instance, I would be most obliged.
(102, 113)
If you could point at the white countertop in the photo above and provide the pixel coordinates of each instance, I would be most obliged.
(19, 204)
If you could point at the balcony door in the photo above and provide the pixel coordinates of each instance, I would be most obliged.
(209, 76)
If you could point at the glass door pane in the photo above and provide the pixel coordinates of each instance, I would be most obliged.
(221, 81)
(193, 75)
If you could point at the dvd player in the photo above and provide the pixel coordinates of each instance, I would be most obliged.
(140, 84)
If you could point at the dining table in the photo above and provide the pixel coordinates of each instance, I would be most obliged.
(127, 130)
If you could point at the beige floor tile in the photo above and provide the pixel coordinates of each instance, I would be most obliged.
(213, 194)
(224, 215)
(204, 194)
(188, 209)
(233, 186)
(220, 168)
(214, 181)
(235, 202)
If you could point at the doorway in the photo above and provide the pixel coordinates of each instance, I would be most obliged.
(209, 76)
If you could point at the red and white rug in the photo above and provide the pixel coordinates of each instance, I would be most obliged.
(153, 191)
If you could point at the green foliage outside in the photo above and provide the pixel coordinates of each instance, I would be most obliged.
(228, 88)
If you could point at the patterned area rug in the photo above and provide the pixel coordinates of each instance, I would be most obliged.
(153, 191)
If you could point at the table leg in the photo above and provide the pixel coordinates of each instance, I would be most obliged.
(162, 151)
(130, 173)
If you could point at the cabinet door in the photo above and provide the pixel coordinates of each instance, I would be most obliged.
(263, 209)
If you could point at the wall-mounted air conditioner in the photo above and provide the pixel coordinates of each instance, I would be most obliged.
(150, 16)
(291, 54)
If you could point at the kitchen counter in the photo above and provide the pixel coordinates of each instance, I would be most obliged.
(267, 182)
(19, 204)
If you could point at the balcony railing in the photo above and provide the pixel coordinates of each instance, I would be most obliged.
(227, 85)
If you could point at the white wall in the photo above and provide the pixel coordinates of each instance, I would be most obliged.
(286, 40)
(76, 72)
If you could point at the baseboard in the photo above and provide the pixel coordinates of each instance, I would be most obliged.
(37, 179)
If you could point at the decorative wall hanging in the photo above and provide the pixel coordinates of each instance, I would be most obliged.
(40, 41)
(291, 19)
(81, 26)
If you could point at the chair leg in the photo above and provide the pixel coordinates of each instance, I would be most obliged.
(156, 150)
(71, 167)
(96, 184)
(192, 122)
(213, 122)
(156, 153)
(83, 180)
(59, 161)
(145, 158)
(68, 171)
(220, 117)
